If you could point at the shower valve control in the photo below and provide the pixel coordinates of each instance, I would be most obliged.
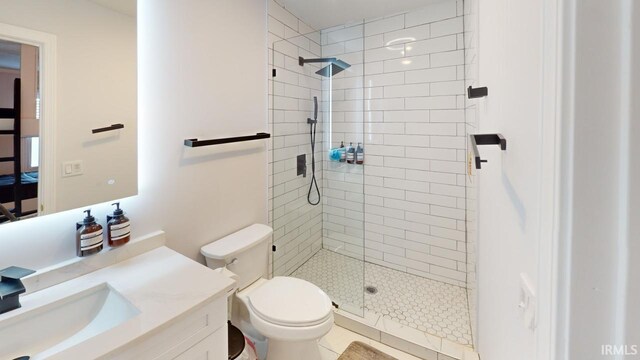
(301, 162)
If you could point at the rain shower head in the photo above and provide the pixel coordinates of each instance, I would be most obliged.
(335, 66)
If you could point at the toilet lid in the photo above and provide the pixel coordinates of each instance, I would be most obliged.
(291, 302)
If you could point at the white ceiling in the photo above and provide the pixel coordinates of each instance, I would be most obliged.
(321, 14)
(127, 7)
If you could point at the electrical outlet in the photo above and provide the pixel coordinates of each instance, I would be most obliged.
(72, 168)
(528, 302)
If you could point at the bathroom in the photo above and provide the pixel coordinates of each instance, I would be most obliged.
(525, 256)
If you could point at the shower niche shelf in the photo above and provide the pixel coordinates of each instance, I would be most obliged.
(486, 139)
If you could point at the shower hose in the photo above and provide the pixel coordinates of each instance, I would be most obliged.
(312, 133)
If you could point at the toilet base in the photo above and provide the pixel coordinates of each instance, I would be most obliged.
(293, 350)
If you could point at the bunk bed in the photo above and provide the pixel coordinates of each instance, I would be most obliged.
(17, 186)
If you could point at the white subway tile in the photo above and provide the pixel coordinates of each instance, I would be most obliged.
(402, 91)
(449, 142)
(430, 153)
(407, 63)
(406, 163)
(348, 33)
(447, 88)
(447, 27)
(448, 212)
(447, 116)
(383, 53)
(385, 128)
(431, 129)
(450, 273)
(419, 186)
(448, 190)
(407, 116)
(384, 25)
(386, 172)
(282, 15)
(435, 260)
(434, 12)
(406, 205)
(384, 79)
(430, 75)
(430, 46)
(431, 198)
(447, 58)
(385, 104)
(375, 41)
(415, 33)
(406, 140)
(371, 68)
(384, 192)
(430, 102)
(333, 49)
(457, 167)
(432, 240)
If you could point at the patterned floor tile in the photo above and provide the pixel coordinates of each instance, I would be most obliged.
(427, 305)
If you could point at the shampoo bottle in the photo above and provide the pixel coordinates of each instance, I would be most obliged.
(118, 227)
(351, 154)
(89, 236)
(343, 152)
(360, 155)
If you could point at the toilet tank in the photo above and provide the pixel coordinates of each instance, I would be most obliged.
(245, 253)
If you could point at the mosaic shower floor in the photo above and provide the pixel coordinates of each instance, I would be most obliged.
(428, 305)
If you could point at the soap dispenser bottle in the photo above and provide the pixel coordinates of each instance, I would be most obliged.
(118, 227)
(89, 236)
(351, 154)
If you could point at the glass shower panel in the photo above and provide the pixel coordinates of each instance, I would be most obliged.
(317, 196)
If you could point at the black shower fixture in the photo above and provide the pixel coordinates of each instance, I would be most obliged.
(336, 65)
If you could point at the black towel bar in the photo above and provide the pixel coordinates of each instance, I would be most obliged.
(486, 139)
(108, 128)
(199, 143)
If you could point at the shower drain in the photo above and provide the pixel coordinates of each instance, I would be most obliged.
(371, 289)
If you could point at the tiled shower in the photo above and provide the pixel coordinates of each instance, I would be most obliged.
(395, 225)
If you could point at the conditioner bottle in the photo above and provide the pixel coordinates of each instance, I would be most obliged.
(118, 227)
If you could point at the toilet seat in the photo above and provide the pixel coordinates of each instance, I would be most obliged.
(290, 302)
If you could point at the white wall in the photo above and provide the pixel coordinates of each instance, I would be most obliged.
(510, 54)
(599, 289)
(201, 74)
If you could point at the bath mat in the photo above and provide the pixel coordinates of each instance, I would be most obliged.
(360, 351)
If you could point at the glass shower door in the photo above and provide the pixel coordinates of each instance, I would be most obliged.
(317, 186)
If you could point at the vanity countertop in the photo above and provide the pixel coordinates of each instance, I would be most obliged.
(162, 284)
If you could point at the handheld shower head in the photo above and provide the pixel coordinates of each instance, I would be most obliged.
(315, 112)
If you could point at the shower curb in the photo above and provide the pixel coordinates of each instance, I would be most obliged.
(404, 338)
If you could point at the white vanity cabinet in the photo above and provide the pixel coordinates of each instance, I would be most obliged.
(202, 334)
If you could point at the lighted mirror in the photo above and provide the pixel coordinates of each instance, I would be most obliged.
(68, 105)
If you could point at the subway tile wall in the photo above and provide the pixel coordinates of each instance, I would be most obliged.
(403, 97)
(297, 225)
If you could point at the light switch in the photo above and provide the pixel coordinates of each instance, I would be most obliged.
(72, 168)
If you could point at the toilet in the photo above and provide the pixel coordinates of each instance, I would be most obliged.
(292, 314)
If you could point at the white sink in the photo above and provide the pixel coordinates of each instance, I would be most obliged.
(63, 323)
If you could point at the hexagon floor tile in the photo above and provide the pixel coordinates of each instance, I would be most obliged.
(428, 305)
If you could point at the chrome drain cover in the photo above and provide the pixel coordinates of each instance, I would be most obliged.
(371, 289)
